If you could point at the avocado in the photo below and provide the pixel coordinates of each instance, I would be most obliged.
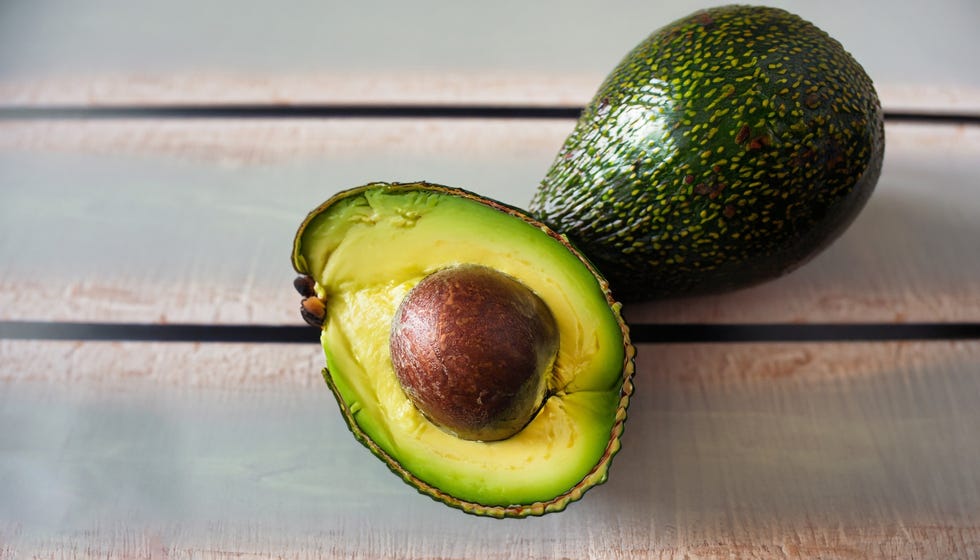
(726, 149)
(471, 348)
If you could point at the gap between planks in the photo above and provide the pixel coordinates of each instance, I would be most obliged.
(399, 87)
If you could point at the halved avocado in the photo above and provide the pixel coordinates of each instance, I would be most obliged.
(368, 247)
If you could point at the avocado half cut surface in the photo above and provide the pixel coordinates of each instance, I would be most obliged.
(726, 149)
(366, 250)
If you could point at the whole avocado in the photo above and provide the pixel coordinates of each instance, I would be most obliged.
(726, 149)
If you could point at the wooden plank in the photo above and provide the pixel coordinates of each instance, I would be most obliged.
(912, 542)
(253, 367)
(192, 366)
(256, 142)
(756, 451)
(192, 221)
(509, 51)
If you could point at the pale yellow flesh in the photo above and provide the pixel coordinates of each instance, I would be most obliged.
(366, 253)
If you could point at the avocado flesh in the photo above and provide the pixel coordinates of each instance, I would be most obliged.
(726, 149)
(368, 247)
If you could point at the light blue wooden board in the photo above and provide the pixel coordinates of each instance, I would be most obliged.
(917, 42)
(830, 447)
(144, 223)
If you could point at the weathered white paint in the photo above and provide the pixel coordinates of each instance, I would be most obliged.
(117, 51)
(756, 450)
(193, 221)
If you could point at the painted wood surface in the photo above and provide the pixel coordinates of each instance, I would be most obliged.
(213, 451)
(193, 221)
(921, 54)
(757, 451)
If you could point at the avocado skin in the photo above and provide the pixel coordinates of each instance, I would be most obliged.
(726, 149)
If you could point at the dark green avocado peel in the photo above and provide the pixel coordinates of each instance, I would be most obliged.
(726, 149)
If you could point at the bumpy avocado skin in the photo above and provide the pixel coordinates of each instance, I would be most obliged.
(726, 149)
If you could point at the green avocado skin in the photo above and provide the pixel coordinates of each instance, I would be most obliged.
(726, 149)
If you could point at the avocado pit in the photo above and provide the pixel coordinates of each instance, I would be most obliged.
(473, 348)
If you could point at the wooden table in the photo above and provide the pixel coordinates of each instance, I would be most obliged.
(158, 399)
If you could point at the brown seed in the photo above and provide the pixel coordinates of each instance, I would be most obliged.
(472, 348)
(305, 285)
(314, 311)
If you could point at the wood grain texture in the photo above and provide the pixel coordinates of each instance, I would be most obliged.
(115, 365)
(911, 542)
(190, 221)
(240, 366)
(261, 142)
(509, 51)
(394, 86)
(754, 451)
